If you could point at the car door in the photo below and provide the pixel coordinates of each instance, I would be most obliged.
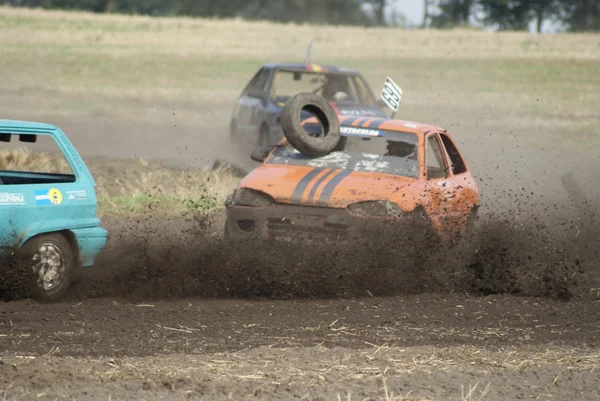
(464, 187)
(441, 187)
(252, 104)
(47, 196)
(242, 108)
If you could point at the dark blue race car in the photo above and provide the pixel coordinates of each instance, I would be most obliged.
(256, 115)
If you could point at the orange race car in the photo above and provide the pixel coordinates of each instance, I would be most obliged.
(384, 173)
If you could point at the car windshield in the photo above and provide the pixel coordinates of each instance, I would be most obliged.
(395, 154)
(341, 88)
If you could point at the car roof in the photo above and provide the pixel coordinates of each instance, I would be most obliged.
(310, 67)
(17, 124)
(383, 124)
(389, 124)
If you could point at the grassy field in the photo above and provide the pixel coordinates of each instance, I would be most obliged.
(120, 67)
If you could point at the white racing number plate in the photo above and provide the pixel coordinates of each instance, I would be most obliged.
(392, 94)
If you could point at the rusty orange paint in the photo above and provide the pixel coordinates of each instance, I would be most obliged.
(446, 201)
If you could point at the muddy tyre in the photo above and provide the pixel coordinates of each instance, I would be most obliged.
(50, 260)
(308, 145)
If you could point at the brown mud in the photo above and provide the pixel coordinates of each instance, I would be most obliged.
(425, 347)
(172, 311)
(178, 257)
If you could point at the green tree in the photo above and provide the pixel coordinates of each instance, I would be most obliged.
(581, 15)
(543, 10)
(347, 12)
(210, 8)
(378, 7)
(452, 13)
(506, 14)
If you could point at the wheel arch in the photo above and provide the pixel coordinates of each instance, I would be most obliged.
(67, 234)
(70, 236)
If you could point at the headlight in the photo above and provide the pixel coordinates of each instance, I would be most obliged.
(376, 209)
(249, 197)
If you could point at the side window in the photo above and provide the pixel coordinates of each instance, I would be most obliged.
(363, 91)
(252, 84)
(261, 83)
(23, 161)
(353, 92)
(435, 161)
(457, 163)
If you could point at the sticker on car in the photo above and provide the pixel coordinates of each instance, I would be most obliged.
(392, 94)
(79, 194)
(360, 131)
(12, 199)
(48, 197)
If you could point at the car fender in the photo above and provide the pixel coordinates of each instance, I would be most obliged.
(89, 238)
(51, 226)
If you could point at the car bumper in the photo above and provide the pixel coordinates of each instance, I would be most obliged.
(90, 242)
(307, 223)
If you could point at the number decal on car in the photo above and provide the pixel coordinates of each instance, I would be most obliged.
(392, 94)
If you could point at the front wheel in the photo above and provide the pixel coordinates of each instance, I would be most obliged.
(50, 260)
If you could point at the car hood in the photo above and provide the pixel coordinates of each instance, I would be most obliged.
(324, 187)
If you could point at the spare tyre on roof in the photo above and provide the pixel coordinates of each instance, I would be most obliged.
(309, 144)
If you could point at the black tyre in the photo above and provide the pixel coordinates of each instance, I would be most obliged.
(50, 260)
(308, 145)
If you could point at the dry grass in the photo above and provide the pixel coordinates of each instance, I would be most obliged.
(378, 371)
(140, 186)
(164, 190)
(240, 39)
(24, 159)
(80, 65)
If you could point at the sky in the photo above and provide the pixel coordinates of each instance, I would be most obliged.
(412, 9)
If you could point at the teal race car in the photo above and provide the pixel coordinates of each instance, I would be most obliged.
(48, 222)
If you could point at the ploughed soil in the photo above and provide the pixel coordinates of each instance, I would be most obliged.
(171, 311)
(427, 346)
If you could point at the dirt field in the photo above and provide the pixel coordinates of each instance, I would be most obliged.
(425, 347)
(170, 313)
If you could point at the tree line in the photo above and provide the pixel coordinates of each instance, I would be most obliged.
(573, 15)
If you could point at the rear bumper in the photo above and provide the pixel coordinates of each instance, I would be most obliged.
(90, 242)
(307, 223)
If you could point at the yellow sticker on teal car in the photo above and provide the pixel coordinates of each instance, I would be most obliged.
(48, 197)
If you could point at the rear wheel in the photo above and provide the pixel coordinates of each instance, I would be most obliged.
(50, 260)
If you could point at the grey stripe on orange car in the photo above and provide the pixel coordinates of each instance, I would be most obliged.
(313, 190)
(376, 123)
(303, 184)
(331, 185)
